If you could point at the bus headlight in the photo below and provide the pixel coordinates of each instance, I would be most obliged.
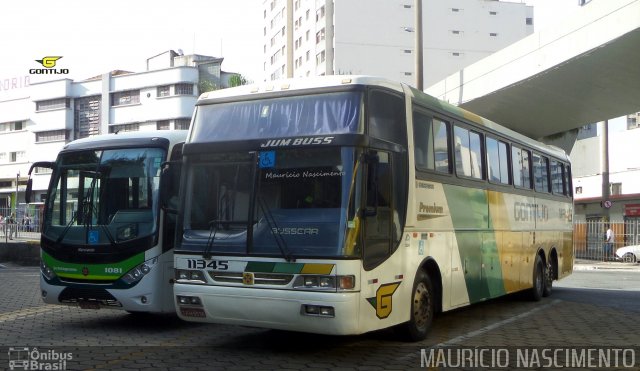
(318, 282)
(191, 276)
(47, 272)
(136, 274)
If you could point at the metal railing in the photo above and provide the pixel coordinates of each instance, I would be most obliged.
(21, 223)
(589, 238)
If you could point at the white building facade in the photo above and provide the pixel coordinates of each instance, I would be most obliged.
(624, 178)
(376, 37)
(38, 119)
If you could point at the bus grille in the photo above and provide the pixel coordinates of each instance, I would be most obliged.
(259, 278)
(73, 295)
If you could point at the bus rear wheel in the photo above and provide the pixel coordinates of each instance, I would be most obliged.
(548, 280)
(423, 302)
(537, 290)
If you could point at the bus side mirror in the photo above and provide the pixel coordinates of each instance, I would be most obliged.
(42, 164)
(170, 170)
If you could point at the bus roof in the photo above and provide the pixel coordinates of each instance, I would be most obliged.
(257, 90)
(114, 140)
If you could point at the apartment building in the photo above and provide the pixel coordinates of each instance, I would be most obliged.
(376, 37)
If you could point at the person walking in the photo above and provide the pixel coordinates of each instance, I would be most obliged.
(2, 225)
(609, 238)
(11, 225)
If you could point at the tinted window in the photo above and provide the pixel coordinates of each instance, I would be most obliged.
(521, 168)
(541, 173)
(497, 161)
(431, 143)
(468, 152)
(386, 116)
(557, 178)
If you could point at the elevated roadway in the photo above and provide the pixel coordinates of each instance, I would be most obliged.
(584, 70)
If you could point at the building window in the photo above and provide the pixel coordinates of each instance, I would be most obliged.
(52, 135)
(320, 13)
(406, 6)
(493, 13)
(86, 116)
(320, 36)
(162, 125)
(123, 98)
(53, 104)
(320, 57)
(457, 54)
(529, 21)
(632, 121)
(163, 91)
(182, 124)
(408, 73)
(493, 34)
(124, 128)
(307, 55)
(456, 10)
(17, 156)
(13, 126)
(184, 89)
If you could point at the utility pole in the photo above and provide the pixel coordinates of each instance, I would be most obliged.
(418, 46)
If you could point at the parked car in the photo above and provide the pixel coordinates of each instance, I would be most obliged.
(629, 254)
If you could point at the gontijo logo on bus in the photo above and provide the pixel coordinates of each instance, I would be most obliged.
(383, 301)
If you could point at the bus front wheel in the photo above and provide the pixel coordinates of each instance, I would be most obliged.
(423, 302)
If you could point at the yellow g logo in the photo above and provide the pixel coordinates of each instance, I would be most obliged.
(247, 278)
(48, 62)
(383, 302)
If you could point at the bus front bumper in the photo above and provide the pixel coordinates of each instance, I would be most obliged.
(331, 313)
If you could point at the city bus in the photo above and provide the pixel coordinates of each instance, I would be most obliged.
(347, 204)
(107, 241)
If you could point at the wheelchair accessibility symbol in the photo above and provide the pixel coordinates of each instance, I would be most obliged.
(267, 159)
(94, 237)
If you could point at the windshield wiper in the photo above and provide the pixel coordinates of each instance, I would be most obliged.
(213, 229)
(282, 244)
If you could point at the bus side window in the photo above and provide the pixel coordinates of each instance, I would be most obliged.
(377, 230)
(387, 117)
(541, 173)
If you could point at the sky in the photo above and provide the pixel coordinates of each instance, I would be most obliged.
(94, 37)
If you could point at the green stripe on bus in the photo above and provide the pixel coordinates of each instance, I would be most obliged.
(477, 246)
(291, 268)
(111, 271)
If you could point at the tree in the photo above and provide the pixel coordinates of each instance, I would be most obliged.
(237, 80)
(206, 85)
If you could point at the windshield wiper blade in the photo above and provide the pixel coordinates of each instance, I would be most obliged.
(282, 244)
(213, 229)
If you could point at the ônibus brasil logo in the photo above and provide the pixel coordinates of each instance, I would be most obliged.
(49, 64)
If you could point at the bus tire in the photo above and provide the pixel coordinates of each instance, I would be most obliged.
(423, 304)
(538, 279)
(548, 279)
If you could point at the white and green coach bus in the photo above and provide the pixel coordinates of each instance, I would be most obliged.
(106, 240)
(346, 204)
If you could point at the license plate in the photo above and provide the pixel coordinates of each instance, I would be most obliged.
(89, 305)
(193, 312)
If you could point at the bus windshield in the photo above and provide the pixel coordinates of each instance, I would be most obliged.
(104, 196)
(303, 203)
(314, 114)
